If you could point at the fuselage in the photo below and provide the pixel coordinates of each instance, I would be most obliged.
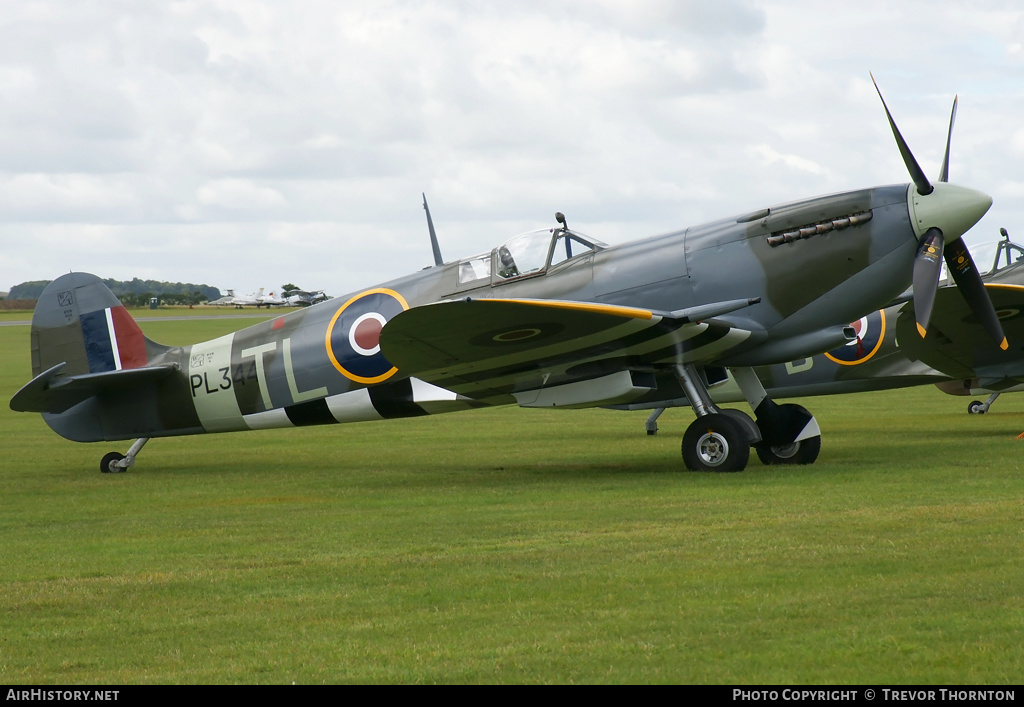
(814, 264)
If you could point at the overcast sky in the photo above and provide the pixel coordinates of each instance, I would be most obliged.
(247, 144)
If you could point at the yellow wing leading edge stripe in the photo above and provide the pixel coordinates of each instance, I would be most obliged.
(614, 310)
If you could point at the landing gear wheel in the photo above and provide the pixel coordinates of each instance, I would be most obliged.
(107, 464)
(975, 407)
(803, 452)
(715, 442)
(788, 422)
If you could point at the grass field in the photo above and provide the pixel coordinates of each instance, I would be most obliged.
(515, 546)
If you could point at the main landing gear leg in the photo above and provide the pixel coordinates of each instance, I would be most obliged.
(117, 463)
(789, 433)
(718, 440)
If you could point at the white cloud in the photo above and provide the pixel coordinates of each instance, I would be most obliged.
(239, 194)
(35, 196)
(771, 157)
(312, 128)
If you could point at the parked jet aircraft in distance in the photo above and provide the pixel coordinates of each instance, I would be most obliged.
(249, 300)
(225, 301)
(255, 299)
(550, 318)
(271, 300)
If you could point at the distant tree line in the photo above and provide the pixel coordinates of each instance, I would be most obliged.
(142, 299)
(134, 293)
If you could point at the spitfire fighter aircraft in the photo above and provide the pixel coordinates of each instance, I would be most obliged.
(956, 356)
(550, 318)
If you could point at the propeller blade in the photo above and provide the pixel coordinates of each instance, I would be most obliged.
(967, 278)
(944, 172)
(924, 187)
(927, 266)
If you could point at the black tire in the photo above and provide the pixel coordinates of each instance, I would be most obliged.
(108, 459)
(715, 443)
(782, 424)
(803, 452)
(974, 408)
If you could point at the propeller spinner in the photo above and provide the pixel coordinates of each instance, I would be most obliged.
(941, 214)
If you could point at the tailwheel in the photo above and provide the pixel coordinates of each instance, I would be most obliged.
(716, 442)
(803, 452)
(109, 463)
(976, 407)
(117, 463)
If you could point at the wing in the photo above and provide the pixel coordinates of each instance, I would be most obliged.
(957, 344)
(552, 353)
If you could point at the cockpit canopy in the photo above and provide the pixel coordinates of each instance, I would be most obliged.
(991, 257)
(1006, 252)
(528, 255)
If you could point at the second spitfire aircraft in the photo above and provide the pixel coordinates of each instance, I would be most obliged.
(551, 318)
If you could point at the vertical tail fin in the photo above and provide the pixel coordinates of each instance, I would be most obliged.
(79, 321)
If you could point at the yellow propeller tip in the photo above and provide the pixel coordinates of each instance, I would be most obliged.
(921, 331)
(1004, 345)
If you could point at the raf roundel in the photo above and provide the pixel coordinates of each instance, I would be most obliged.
(353, 336)
(870, 332)
(364, 336)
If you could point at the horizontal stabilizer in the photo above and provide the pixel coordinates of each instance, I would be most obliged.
(54, 393)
